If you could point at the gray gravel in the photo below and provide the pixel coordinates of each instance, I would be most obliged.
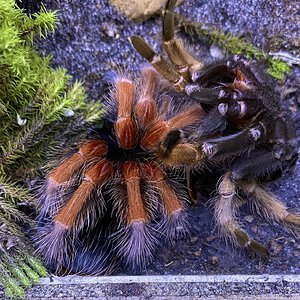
(92, 39)
(167, 287)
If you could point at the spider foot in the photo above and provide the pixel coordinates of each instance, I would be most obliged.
(292, 222)
(225, 208)
(53, 195)
(175, 226)
(136, 244)
(245, 241)
(53, 244)
(270, 207)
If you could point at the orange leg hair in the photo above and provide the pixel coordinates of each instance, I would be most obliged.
(145, 108)
(94, 176)
(124, 127)
(156, 133)
(136, 211)
(169, 198)
(86, 152)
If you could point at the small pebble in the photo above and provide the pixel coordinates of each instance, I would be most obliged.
(296, 253)
(215, 260)
(254, 229)
(110, 30)
(210, 238)
(69, 113)
(275, 247)
(249, 218)
(216, 52)
(169, 264)
(194, 239)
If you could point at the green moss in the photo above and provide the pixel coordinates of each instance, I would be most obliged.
(278, 68)
(233, 45)
(39, 110)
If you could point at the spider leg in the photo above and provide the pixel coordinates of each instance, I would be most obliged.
(259, 163)
(235, 108)
(175, 223)
(94, 176)
(174, 153)
(136, 211)
(185, 155)
(225, 213)
(235, 144)
(212, 124)
(212, 95)
(86, 152)
(192, 190)
(145, 108)
(125, 127)
(228, 103)
(284, 139)
(58, 238)
(160, 64)
(159, 129)
(59, 179)
(270, 207)
(253, 96)
(136, 241)
(226, 80)
(184, 63)
(242, 109)
(169, 142)
(213, 73)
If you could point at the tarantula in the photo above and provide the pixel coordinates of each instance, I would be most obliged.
(247, 129)
(114, 200)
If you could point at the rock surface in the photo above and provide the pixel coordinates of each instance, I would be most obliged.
(236, 287)
(139, 10)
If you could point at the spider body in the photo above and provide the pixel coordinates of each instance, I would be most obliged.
(114, 151)
(114, 200)
(247, 131)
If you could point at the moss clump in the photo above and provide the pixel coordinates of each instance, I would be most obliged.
(234, 45)
(39, 109)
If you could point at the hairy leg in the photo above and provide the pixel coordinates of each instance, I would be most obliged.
(270, 207)
(225, 214)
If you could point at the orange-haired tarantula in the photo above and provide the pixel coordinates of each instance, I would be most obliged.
(246, 129)
(114, 200)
